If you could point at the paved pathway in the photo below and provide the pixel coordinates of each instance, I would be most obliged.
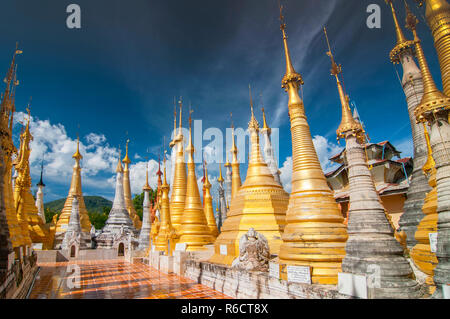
(114, 279)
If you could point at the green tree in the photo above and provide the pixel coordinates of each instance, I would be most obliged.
(49, 213)
(99, 219)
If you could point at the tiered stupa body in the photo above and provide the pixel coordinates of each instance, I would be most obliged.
(208, 207)
(6, 248)
(434, 110)
(74, 231)
(144, 235)
(194, 230)
(421, 253)
(156, 209)
(235, 172)
(166, 234)
(260, 203)
(17, 236)
(315, 233)
(173, 146)
(413, 88)
(26, 209)
(75, 190)
(269, 155)
(371, 243)
(177, 200)
(127, 191)
(119, 222)
(40, 196)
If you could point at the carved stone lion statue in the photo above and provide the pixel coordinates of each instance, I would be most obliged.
(254, 253)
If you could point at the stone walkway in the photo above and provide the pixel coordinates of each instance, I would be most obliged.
(114, 279)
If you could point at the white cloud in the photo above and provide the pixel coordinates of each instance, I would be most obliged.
(406, 147)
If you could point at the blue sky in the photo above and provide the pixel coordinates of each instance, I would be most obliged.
(119, 73)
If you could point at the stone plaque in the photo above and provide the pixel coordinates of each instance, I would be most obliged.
(274, 270)
(223, 250)
(433, 242)
(180, 247)
(300, 274)
(352, 285)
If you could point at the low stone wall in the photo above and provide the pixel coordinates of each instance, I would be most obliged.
(14, 287)
(254, 285)
(45, 256)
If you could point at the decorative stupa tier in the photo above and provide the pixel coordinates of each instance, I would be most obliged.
(413, 88)
(434, 109)
(144, 235)
(269, 155)
(166, 237)
(74, 233)
(119, 223)
(194, 230)
(26, 209)
(18, 237)
(437, 14)
(222, 204)
(174, 148)
(315, 233)
(127, 191)
(260, 203)
(75, 190)
(208, 207)
(421, 253)
(40, 196)
(156, 207)
(177, 200)
(371, 243)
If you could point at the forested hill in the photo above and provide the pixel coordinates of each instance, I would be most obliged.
(93, 204)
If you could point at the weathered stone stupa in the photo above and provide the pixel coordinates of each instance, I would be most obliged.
(315, 233)
(74, 234)
(413, 87)
(269, 155)
(119, 223)
(371, 246)
(194, 230)
(222, 204)
(144, 235)
(434, 109)
(260, 203)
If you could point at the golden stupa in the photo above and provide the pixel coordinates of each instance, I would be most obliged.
(17, 236)
(75, 190)
(437, 14)
(156, 206)
(127, 191)
(166, 232)
(208, 206)
(315, 234)
(235, 173)
(24, 202)
(421, 253)
(178, 196)
(260, 203)
(194, 230)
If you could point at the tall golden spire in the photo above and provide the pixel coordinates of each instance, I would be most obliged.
(208, 206)
(26, 209)
(194, 229)
(175, 136)
(265, 126)
(315, 233)
(348, 123)
(75, 190)
(220, 179)
(260, 203)
(402, 43)
(236, 176)
(166, 231)
(437, 14)
(127, 190)
(178, 195)
(433, 100)
(146, 186)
